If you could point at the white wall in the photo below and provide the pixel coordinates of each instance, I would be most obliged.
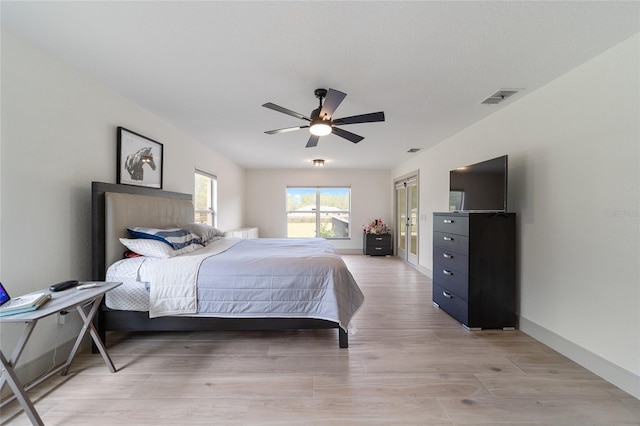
(58, 135)
(371, 195)
(573, 149)
(574, 181)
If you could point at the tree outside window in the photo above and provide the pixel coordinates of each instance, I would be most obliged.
(205, 200)
(318, 212)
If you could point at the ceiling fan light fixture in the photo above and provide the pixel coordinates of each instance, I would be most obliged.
(320, 127)
(318, 162)
(321, 121)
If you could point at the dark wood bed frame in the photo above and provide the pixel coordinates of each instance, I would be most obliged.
(114, 320)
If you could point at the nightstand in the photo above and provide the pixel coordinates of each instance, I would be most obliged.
(377, 244)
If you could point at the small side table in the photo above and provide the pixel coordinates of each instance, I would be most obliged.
(61, 301)
(377, 244)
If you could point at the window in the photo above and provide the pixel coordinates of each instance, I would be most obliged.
(318, 212)
(205, 198)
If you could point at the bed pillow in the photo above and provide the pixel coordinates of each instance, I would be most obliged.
(177, 238)
(204, 231)
(154, 248)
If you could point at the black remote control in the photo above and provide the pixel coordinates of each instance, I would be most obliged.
(63, 285)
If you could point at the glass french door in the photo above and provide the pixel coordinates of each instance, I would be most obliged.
(407, 219)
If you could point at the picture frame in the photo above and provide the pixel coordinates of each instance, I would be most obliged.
(140, 160)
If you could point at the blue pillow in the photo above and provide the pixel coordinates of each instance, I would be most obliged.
(177, 238)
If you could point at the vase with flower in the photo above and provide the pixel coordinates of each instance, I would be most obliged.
(376, 226)
(377, 238)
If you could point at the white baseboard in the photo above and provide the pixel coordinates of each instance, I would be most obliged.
(32, 370)
(614, 374)
(425, 271)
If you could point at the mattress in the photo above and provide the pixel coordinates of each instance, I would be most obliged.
(256, 278)
(135, 276)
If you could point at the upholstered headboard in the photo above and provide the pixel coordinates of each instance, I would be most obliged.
(116, 207)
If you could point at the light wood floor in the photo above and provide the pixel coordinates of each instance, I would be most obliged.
(408, 364)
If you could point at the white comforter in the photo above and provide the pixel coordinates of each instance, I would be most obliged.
(259, 278)
(174, 283)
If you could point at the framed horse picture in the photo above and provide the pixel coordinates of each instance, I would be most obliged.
(139, 160)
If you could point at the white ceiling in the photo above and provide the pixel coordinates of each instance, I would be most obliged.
(208, 66)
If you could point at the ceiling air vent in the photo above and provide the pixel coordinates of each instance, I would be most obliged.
(500, 96)
(414, 150)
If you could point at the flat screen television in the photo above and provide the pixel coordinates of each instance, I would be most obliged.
(479, 187)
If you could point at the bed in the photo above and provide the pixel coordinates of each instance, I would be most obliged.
(258, 284)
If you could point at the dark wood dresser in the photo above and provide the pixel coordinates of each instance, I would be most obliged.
(377, 244)
(474, 274)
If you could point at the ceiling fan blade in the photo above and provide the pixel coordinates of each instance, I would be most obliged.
(347, 135)
(288, 129)
(364, 118)
(313, 141)
(285, 111)
(331, 103)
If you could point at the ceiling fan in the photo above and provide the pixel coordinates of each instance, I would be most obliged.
(321, 121)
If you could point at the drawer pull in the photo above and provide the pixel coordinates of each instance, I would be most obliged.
(378, 238)
(447, 256)
(378, 248)
(448, 238)
(447, 295)
(448, 221)
(444, 271)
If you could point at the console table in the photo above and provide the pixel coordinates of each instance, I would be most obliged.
(242, 233)
(61, 301)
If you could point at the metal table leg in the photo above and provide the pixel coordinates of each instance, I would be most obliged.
(88, 326)
(14, 383)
